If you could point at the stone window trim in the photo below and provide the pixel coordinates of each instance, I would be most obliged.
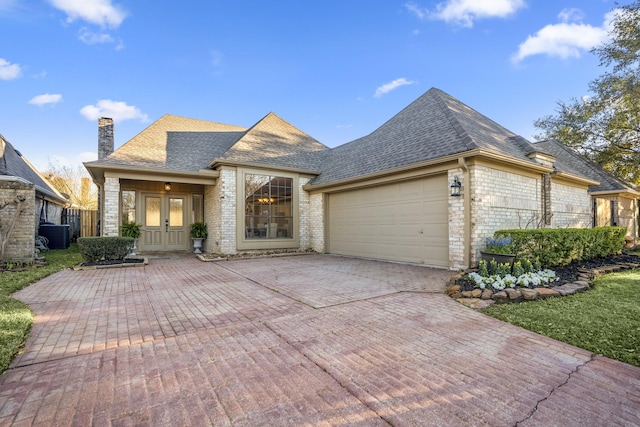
(244, 243)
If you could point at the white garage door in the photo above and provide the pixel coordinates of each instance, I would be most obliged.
(406, 221)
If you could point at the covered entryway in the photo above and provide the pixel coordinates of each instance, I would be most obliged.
(164, 222)
(405, 221)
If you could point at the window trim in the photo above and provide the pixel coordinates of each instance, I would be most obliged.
(285, 243)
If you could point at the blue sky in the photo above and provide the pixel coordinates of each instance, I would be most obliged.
(335, 69)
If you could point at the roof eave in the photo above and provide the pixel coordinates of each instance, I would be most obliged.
(427, 163)
(97, 171)
(625, 191)
(572, 177)
(222, 162)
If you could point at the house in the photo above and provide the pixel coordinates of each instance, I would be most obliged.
(614, 201)
(427, 187)
(26, 201)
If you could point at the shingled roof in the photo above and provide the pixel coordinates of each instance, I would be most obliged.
(568, 160)
(13, 163)
(175, 143)
(433, 126)
(274, 142)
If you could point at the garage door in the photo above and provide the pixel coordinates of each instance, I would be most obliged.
(406, 221)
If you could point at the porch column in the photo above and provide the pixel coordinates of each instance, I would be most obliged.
(110, 206)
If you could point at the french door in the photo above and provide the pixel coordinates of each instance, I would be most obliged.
(164, 225)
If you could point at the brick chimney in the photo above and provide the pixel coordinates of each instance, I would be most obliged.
(105, 137)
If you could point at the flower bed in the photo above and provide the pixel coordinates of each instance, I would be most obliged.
(494, 283)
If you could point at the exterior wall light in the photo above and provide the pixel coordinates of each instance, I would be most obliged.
(167, 186)
(455, 187)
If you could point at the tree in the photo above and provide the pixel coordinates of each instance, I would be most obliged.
(75, 183)
(605, 127)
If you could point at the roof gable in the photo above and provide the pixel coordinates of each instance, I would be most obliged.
(275, 142)
(175, 143)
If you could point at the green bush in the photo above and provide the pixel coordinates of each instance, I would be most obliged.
(94, 249)
(560, 246)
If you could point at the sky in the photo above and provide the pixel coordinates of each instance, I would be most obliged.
(337, 70)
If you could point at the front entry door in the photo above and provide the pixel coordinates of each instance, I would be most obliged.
(164, 227)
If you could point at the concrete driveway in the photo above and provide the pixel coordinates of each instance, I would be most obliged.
(303, 340)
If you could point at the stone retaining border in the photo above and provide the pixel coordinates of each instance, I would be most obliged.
(479, 299)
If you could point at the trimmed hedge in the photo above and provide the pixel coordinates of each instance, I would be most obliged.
(94, 249)
(560, 246)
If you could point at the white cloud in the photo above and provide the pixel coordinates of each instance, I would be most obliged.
(9, 71)
(571, 14)
(417, 10)
(99, 12)
(117, 110)
(74, 161)
(565, 39)
(46, 98)
(465, 12)
(89, 37)
(388, 87)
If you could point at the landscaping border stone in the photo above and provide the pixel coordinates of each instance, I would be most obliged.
(479, 299)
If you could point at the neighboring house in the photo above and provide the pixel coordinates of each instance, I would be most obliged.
(23, 187)
(384, 196)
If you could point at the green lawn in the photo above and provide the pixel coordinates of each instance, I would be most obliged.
(604, 320)
(15, 317)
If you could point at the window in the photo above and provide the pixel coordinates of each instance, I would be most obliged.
(128, 206)
(268, 207)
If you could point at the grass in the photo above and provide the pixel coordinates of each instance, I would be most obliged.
(604, 320)
(15, 317)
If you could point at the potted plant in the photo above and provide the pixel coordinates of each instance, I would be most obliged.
(131, 229)
(499, 248)
(198, 234)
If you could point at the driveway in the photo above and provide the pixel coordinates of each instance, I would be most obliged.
(301, 340)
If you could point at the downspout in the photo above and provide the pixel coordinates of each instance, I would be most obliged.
(462, 163)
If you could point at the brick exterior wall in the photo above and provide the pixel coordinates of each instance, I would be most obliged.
(570, 206)
(316, 222)
(304, 215)
(220, 213)
(501, 200)
(456, 221)
(110, 206)
(21, 243)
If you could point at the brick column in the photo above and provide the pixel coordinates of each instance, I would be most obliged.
(316, 223)
(457, 220)
(110, 206)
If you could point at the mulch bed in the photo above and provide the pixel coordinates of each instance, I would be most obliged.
(569, 273)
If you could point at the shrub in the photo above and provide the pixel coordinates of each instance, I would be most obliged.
(498, 244)
(560, 246)
(94, 249)
(130, 229)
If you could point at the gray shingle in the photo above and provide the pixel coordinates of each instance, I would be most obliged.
(568, 160)
(12, 163)
(433, 126)
(175, 143)
(275, 142)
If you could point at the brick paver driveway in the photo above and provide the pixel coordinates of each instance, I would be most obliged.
(305, 340)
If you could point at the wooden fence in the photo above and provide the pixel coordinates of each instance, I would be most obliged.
(81, 223)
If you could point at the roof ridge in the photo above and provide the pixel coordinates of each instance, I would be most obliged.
(455, 123)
